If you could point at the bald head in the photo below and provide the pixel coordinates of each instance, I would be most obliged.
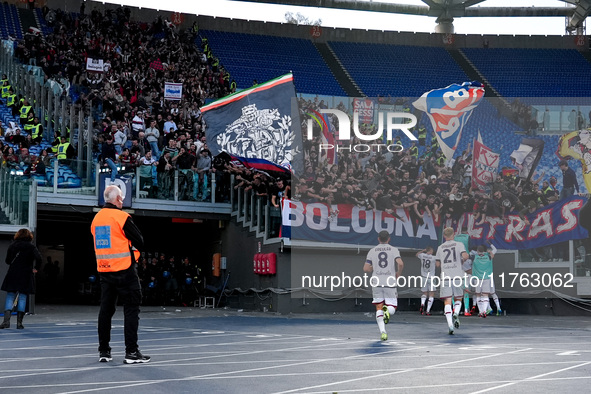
(111, 195)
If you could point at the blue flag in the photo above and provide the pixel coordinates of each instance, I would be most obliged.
(449, 109)
(256, 123)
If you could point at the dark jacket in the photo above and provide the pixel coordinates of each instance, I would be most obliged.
(22, 256)
(108, 152)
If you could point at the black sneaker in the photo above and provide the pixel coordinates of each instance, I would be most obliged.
(135, 357)
(105, 357)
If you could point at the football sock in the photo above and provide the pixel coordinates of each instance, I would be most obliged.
(380, 320)
(496, 300)
(429, 304)
(457, 307)
(447, 311)
(481, 307)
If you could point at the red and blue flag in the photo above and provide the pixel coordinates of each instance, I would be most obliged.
(449, 109)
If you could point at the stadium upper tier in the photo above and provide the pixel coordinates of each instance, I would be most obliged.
(398, 71)
(10, 24)
(524, 72)
(248, 57)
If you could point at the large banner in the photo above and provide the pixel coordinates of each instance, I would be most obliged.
(485, 164)
(557, 222)
(353, 225)
(449, 109)
(577, 145)
(256, 123)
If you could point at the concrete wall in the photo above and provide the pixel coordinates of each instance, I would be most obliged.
(297, 265)
(239, 246)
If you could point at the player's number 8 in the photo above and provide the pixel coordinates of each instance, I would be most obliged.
(383, 259)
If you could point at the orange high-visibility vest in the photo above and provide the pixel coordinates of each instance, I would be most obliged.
(112, 248)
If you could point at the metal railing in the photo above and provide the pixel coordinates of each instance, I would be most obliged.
(18, 199)
(255, 212)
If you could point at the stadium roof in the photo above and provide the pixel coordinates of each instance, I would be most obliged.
(446, 10)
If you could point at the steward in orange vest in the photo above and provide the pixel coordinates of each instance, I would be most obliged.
(116, 238)
(114, 235)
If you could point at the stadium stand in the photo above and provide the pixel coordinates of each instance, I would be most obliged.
(10, 25)
(397, 71)
(251, 57)
(528, 72)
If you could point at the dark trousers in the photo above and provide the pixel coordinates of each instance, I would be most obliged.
(124, 284)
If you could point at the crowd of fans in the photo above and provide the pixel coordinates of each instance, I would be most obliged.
(134, 125)
(128, 97)
(418, 181)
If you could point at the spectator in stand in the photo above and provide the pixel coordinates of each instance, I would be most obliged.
(569, 180)
(13, 134)
(506, 202)
(24, 160)
(549, 193)
(169, 128)
(119, 139)
(278, 192)
(172, 148)
(165, 172)
(43, 162)
(128, 161)
(184, 161)
(136, 150)
(152, 136)
(109, 157)
(10, 158)
(146, 164)
(138, 124)
(203, 170)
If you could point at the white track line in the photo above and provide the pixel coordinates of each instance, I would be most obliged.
(532, 378)
(229, 373)
(437, 386)
(397, 372)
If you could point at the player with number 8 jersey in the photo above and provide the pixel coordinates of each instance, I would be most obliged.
(385, 265)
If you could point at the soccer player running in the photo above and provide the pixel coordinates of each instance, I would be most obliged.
(449, 257)
(427, 273)
(482, 268)
(464, 238)
(385, 265)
